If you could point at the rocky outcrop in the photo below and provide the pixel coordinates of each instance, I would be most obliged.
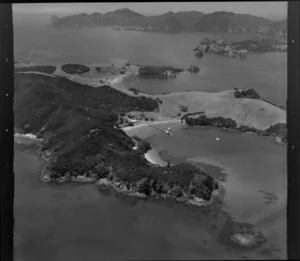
(241, 235)
(199, 53)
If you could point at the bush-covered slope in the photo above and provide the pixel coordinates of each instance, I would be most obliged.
(68, 111)
(78, 126)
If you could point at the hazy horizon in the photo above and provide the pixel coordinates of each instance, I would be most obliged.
(270, 10)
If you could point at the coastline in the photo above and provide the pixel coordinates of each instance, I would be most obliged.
(212, 103)
(198, 202)
(249, 112)
(121, 188)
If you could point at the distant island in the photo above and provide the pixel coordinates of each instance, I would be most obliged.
(239, 49)
(170, 22)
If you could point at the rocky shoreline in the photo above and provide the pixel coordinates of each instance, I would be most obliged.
(133, 191)
(198, 189)
(130, 190)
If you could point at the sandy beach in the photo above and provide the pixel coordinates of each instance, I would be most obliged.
(147, 124)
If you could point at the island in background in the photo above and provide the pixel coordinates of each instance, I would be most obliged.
(171, 22)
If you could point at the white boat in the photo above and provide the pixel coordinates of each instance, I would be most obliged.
(168, 132)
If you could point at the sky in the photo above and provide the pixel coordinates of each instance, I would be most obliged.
(272, 10)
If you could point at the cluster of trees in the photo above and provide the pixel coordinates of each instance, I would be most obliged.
(75, 68)
(246, 93)
(278, 130)
(194, 69)
(158, 71)
(203, 120)
(174, 180)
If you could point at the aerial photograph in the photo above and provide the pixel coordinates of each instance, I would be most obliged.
(150, 131)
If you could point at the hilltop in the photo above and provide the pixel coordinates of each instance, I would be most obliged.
(231, 22)
(175, 22)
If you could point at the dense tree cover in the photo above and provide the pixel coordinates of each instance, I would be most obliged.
(78, 124)
(205, 121)
(279, 130)
(246, 93)
(75, 68)
(158, 71)
(172, 180)
(80, 119)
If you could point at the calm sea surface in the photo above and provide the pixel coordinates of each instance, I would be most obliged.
(267, 73)
(77, 222)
